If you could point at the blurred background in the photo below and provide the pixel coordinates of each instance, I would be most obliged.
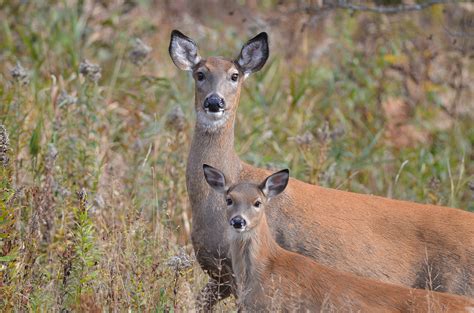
(372, 97)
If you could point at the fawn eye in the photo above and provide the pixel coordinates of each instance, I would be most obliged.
(235, 77)
(228, 201)
(257, 204)
(200, 76)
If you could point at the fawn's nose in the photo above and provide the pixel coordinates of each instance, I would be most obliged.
(238, 222)
(214, 103)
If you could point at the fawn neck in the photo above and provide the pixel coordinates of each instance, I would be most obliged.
(251, 252)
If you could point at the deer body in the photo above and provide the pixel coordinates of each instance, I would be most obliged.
(270, 278)
(393, 241)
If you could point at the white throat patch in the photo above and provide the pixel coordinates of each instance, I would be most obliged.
(212, 122)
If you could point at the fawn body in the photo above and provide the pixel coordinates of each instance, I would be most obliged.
(394, 241)
(271, 278)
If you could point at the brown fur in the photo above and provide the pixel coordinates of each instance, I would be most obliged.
(391, 240)
(271, 278)
(394, 241)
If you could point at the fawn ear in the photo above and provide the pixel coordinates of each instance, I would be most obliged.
(254, 54)
(275, 183)
(215, 178)
(183, 51)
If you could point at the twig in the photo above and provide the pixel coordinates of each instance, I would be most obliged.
(344, 4)
(175, 288)
(457, 34)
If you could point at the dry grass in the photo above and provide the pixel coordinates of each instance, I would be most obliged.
(93, 205)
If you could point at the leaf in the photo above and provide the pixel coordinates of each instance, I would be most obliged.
(7, 258)
(35, 140)
(395, 59)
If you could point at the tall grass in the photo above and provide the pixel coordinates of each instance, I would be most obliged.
(93, 208)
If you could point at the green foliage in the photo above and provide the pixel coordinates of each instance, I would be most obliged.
(323, 111)
(8, 253)
(81, 272)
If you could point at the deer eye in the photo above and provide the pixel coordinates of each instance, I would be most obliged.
(228, 201)
(200, 76)
(257, 204)
(235, 77)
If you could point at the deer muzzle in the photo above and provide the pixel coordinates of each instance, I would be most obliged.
(214, 104)
(238, 222)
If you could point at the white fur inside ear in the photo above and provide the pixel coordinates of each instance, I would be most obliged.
(184, 53)
(275, 183)
(215, 178)
(251, 56)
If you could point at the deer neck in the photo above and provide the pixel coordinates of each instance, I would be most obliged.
(251, 253)
(214, 145)
(216, 148)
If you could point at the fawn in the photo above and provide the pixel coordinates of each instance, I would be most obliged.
(269, 277)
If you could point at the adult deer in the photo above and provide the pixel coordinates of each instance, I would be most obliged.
(393, 241)
(270, 278)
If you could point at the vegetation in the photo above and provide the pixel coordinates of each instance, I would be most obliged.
(97, 122)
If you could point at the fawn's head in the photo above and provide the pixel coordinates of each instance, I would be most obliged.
(218, 81)
(246, 202)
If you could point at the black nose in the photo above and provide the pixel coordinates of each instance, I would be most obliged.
(214, 103)
(238, 222)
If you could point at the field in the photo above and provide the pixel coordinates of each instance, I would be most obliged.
(96, 122)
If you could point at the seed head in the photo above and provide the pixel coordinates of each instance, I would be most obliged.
(82, 197)
(434, 183)
(181, 261)
(91, 71)
(176, 119)
(304, 140)
(4, 146)
(52, 154)
(20, 74)
(139, 53)
(66, 99)
(99, 202)
(324, 133)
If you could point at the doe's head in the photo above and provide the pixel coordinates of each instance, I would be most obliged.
(246, 202)
(218, 80)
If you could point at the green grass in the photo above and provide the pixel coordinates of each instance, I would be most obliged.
(115, 140)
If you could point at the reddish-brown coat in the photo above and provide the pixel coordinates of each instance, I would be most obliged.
(278, 279)
(400, 242)
(390, 240)
(393, 241)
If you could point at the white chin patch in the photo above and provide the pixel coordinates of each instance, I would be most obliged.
(212, 121)
(215, 115)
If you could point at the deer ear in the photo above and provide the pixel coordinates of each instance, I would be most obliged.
(254, 54)
(215, 178)
(183, 51)
(275, 183)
